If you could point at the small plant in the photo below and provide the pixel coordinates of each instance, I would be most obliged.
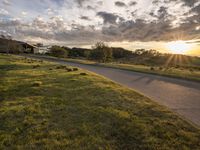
(50, 68)
(152, 68)
(69, 69)
(36, 66)
(36, 83)
(61, 67)
(83, 73)
(75, 69)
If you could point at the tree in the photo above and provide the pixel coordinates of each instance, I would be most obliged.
(58, 51)
(101, 52)
(119, 52)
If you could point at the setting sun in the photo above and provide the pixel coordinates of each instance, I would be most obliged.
(178, 47)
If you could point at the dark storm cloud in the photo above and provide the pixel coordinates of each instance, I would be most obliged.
(108, 17)
(120, 4)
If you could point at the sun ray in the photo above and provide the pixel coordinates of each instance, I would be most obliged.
(178, 47)
(170, 58)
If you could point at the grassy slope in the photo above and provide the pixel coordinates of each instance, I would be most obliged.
(164, 71)
(73, 111)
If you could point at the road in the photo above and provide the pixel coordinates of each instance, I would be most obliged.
(181, 96)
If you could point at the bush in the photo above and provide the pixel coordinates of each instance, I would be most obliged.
(58, 51)
(36, 66)
(75, 69)
(152, 68)
(69, 69)
(101, 52)
(61, 67)
(83, 74)
(36, 83)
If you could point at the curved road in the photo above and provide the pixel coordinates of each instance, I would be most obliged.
(179, 95)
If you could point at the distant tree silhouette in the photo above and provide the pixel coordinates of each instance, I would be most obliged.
(58, 51)
(101, 52)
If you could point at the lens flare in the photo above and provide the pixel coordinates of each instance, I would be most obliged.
(178, 47)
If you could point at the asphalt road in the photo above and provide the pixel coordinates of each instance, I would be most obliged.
(181, 96)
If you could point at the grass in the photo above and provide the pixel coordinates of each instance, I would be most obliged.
(48, 107)
(176, 72)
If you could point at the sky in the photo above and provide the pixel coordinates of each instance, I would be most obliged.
(132, 24)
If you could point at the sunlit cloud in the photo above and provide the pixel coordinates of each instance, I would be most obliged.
(82, 22)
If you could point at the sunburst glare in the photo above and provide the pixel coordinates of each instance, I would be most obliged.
(178, 47)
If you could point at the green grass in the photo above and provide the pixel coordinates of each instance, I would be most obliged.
(49, 107)
(188, 74)
(183, 72)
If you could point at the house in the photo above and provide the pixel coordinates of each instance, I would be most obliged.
(29, 48)
(13, 46)
(44, 49)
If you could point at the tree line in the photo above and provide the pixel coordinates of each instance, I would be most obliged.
(103, 53)
(100, 52)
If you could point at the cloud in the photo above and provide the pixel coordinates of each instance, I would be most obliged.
(85, 18)
(51, 11)
(3, 12)
(108, 17)
(120, 4)
(74, 22)
(90, 7)
(6, 2)
(190, 3)
(100, 2)
(132, 3)
(24, 13)
(81, 2)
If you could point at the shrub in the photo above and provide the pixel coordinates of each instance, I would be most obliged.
(58, 51)
(75, 69)
(69, 69)
(83, 74)
(36, 83)
(36, 66)
(152, 68)
(101, 52)
(61, 67)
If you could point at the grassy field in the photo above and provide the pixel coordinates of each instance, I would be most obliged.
(176, 72)
(184, 72)
(188, 74)
(48, 106)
